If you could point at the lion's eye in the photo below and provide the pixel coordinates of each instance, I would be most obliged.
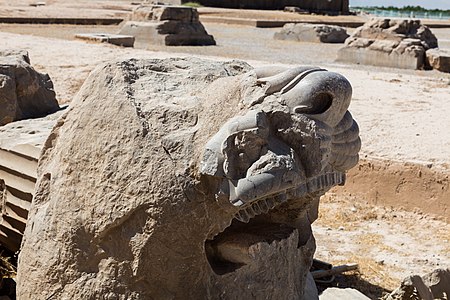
(318, 105)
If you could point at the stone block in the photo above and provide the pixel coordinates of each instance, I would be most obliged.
(115, 39)
(169, 33)
(365, 56)
(439, 59)
(167, 25)
(312, 33)
(24, 92)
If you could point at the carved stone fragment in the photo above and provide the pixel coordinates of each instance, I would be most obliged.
(187, 179)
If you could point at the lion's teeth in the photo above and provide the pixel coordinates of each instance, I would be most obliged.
(249, 210)
(242, 216)
(270, 203)
(256, 208)
(263, 205)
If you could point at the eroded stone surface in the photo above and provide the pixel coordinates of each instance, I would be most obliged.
(142, 186)
(24, 93)
(312, 33)
(166, 25)
(390, 43)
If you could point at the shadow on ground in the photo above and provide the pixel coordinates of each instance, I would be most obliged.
(355, 281)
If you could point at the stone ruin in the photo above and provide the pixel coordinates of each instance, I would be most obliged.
(434, 285)
(166, 25)
(26, 95)
(389, 43)
(316, 33)
(24, 92)
(187, 179)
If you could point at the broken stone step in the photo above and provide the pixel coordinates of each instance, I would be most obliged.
(17, 180)
(20, 200)
(18, 162)
(26, 150)
(115, 39)
(17, 224)
(12, 211)
(9, 229)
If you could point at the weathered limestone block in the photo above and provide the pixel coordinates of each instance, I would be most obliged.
(167, 25)
(389, 43)
(312, 33)
(187, 179)
(439, 59)
(24, 93)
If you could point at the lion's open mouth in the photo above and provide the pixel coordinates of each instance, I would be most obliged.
(257, 226)
(241, 243)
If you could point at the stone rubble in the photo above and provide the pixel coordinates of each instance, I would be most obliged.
(434, 285)
(389, 43)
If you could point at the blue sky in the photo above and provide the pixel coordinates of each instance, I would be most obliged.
(430, 4)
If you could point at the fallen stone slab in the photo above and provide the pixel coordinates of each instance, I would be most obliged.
(166, 25)
(342, 294)
(389, 43)
(115, 39)
(312, 33)
(439, 59)
(24, 92)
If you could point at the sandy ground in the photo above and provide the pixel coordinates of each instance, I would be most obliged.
(388, 244)
(403, 116)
